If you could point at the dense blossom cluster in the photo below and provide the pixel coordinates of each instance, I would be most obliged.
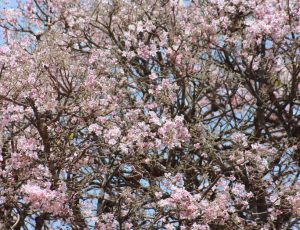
(45, 199)
(157, 114)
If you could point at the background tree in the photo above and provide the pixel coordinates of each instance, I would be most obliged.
(157, 114)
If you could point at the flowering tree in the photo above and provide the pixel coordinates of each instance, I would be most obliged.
(157, 114)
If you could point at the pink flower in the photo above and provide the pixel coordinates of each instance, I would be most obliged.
(239, 138)
(96, 129)
(174, 133)
(44, 199)
(112, 135)
(153, 76)
(154, 118)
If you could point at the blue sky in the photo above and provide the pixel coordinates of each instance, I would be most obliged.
(10, 3)
(6, 4)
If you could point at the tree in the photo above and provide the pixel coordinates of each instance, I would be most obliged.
(157, 114)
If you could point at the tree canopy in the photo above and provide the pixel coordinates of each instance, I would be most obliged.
(150, 114)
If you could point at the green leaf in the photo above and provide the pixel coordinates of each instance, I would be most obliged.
(277, 83)
(71, 136)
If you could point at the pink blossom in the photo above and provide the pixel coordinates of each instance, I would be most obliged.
(174, 133)
(96, 129)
